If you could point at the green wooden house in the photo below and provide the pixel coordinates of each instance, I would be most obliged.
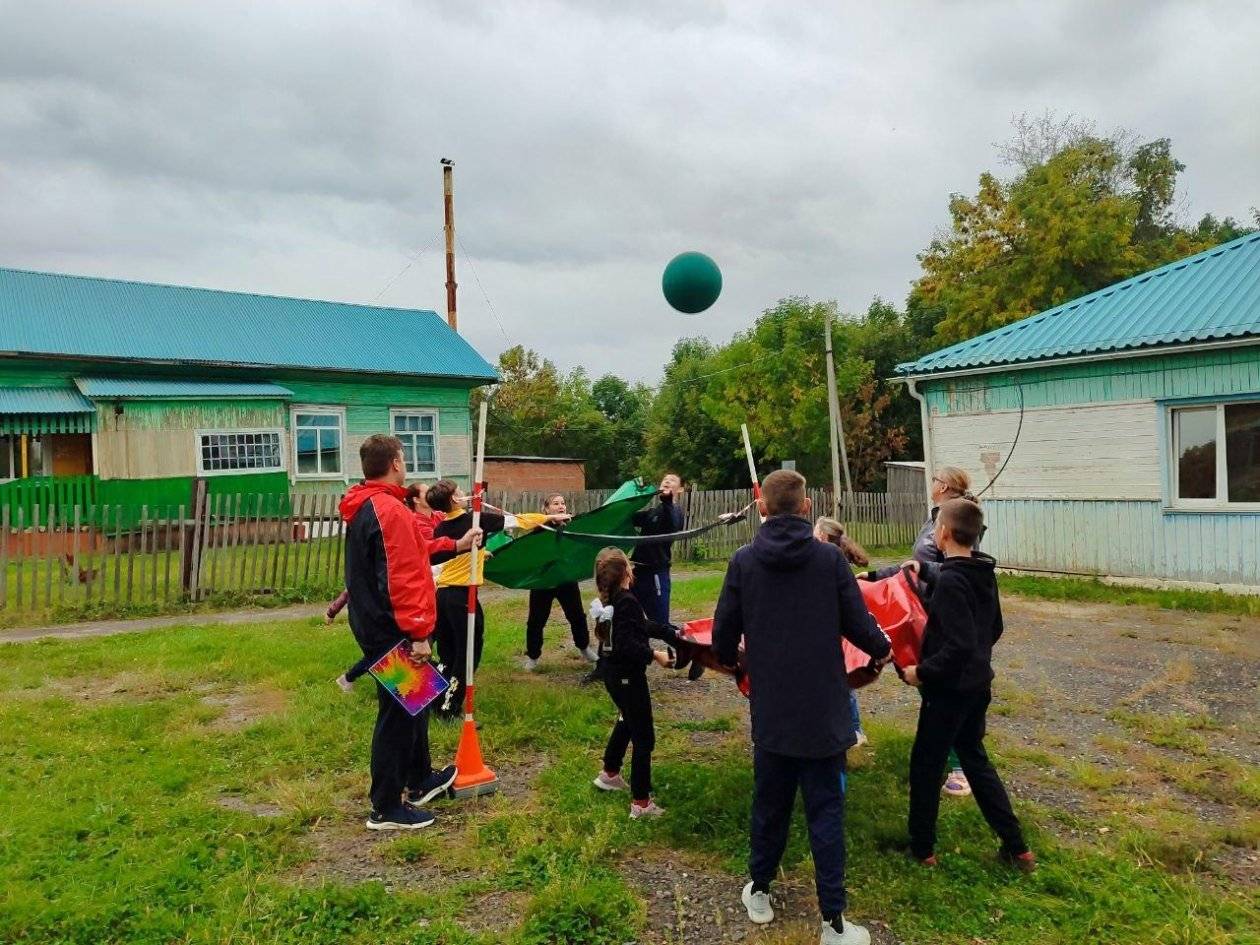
(127, 392)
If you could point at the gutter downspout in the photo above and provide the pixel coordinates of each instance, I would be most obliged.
(924, 421)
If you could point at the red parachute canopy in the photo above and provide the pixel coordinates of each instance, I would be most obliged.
(894, 604)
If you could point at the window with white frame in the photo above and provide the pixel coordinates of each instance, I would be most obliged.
(418, 430)
(318, 434)
(238, 451)
(1216, 454)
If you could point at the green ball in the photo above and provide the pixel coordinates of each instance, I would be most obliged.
(692, 282)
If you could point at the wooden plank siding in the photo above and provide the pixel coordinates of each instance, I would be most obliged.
(1087, 487)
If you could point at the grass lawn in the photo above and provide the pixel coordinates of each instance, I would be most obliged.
(205, 784)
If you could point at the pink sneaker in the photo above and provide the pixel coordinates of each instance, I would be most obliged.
(638, 812)
(956, 785)
(610, 782)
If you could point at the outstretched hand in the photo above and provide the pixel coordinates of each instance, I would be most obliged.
(911, 676)
(560, 518)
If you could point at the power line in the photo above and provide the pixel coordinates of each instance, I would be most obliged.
(411, 261)
(476, 278)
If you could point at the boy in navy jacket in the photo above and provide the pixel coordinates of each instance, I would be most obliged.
(791, 598)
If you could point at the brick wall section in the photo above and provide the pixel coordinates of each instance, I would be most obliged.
(514, 475)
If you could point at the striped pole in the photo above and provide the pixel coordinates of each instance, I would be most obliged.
(752, 467)
(472, 776)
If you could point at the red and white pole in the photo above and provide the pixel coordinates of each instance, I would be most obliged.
(752, 467)
(472, 776)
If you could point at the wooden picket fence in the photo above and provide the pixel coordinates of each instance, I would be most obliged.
(94, 557)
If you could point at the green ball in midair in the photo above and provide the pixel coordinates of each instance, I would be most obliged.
(692, 282)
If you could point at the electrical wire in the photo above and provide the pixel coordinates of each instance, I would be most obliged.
(1019, 428)
(472, 265)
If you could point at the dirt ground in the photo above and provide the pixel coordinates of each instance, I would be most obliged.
(1100, 712)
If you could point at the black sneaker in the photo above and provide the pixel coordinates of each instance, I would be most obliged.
(432, 786)
(402, 817)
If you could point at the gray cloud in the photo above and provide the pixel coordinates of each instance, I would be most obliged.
(810, 148)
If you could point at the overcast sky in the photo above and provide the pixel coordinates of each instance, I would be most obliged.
(292, 148)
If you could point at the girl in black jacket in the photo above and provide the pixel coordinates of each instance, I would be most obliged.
(625, 653)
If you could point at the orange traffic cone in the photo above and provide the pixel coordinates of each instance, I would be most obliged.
(472, 776)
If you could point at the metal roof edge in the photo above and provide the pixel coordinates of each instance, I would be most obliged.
(1110, 355)
(481, 379)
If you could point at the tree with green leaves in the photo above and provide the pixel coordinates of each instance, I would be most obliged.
(1083, 212)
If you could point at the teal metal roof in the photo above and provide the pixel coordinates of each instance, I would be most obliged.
(1212, 296)
(77, 316)
(127, 388)
(39, 400)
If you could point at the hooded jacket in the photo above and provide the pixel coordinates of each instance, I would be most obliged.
(663, 518)
(791, 598)
(387, 568)
(964, 622)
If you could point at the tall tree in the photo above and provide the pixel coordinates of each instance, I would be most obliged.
(1083, 212)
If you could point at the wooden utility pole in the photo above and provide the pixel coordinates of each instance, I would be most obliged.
(838, 451)
(448, 200)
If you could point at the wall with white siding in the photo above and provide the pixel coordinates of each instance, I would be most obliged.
(1094, 451)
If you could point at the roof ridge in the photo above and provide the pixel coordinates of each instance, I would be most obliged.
(200, 288)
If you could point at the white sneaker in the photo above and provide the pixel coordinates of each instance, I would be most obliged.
(590, 655)
(610, 782)
(861, 739)
(529, 664)
(852, 935)
(344, 684)
(758, 905)
(641, 813)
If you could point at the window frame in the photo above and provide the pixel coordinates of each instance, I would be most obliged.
(231, 431)
(1221, 502)
(11, 439)
(320, 410)
(437, 436)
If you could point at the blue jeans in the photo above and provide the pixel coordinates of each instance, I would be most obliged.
(853, 711)
(651, 590)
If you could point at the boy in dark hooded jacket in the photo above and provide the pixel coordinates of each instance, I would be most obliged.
(791, 598)
(956, 676)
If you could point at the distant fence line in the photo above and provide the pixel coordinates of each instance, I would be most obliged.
(84, 556)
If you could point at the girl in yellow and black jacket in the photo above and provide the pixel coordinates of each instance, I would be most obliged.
(454, 575)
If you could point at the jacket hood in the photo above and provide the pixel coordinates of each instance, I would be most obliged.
(784, 542)
(361, 492)
(978, 569)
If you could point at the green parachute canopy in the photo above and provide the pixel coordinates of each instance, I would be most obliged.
(542, 559)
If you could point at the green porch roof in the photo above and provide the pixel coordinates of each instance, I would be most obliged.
(135, 388)
(1212, 296)
(36, 410)
(46, 314)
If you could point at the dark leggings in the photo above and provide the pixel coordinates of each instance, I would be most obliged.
(452, 641)
(956, 720)
(540, 602)
(358, 669)
(629, 691)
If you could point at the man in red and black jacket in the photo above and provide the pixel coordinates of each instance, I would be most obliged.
(392, 597)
